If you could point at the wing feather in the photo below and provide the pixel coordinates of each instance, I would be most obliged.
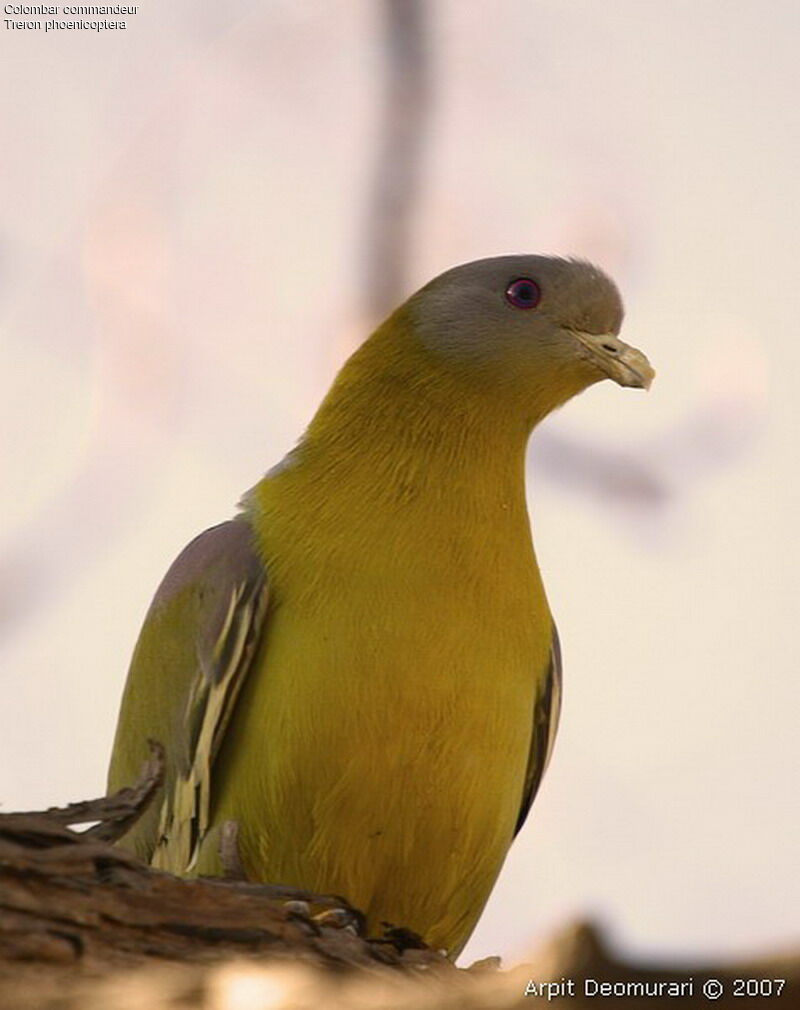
(546, 712)
(196, 647)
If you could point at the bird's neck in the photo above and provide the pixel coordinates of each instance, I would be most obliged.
(398, 441)
(395, 409)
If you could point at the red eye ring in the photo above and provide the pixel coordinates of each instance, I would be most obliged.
(523, 293)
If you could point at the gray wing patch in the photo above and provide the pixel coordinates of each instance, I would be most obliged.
(232, 611)
(546, 710)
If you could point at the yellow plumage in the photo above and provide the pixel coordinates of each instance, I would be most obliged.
(381, 737)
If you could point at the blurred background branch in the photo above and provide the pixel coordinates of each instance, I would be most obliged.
(405, 117)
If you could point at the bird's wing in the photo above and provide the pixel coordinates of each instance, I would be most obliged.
(198, 642)
(546, 710)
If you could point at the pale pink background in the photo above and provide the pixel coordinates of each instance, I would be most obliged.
(181, 223)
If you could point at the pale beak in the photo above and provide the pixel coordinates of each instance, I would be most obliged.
(620, 362)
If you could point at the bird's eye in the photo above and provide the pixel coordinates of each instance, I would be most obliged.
(523, 293)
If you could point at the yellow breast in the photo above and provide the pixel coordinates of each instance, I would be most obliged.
(381, 744)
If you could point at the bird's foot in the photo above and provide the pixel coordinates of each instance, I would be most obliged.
(401, 938)
(336, 912)
(348, 919)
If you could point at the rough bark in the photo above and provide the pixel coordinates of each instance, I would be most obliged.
(86, 925)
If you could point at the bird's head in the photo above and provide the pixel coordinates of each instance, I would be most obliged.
(539, 327)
